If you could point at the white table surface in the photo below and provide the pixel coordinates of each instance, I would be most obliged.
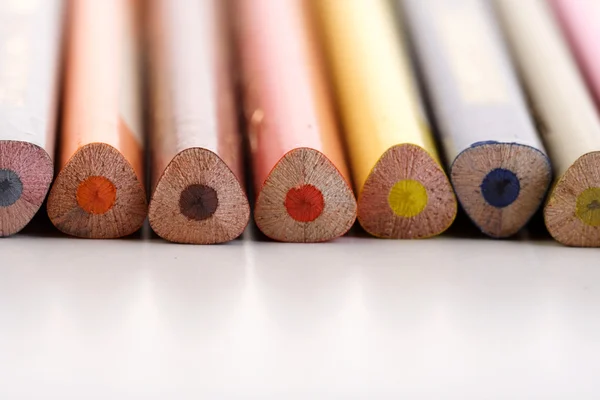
(359, 318)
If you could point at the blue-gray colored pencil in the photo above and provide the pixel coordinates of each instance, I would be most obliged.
(499, 168)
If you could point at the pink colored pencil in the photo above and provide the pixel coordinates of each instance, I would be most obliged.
(300, 174)
(580, 21)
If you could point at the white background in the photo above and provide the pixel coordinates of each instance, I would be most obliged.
(358, 318)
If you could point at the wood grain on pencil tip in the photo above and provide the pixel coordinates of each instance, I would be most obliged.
(30, 47)
(300, 172)
(198, 200)
(501, 185)
(197, 163)
(407, 195)
(566, 116)
(572, 212)
(98, 192)
(26, 172)
(499, 168)
(305, 199)
(403, 192)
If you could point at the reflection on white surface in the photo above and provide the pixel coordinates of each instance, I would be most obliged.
(356, 318)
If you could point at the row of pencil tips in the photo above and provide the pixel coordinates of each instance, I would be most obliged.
(332, 100)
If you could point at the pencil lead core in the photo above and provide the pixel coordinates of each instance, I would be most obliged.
(588, 206)
(11, 187)
(198, 202)
(304, 203)
(500, 187)
(96, 195)
(407, 198)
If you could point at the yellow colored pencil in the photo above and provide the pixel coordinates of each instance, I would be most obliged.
(402, 190)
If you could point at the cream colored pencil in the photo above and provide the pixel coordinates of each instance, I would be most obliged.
(566, 116)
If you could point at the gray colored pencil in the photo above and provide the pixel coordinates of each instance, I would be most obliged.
(30, 48)
(499, 168)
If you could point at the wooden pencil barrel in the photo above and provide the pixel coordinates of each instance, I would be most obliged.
(99, 191)
(299, 168)
(566, 116)
(30, 50)
(498, 165)
(402, 190)
(196, 150)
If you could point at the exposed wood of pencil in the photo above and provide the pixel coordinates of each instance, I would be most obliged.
(568, 121)
(498, 166)
(196, 146)
(98, 192)
(299, 167)
(402, 190)
(580, 21)
(30, 49)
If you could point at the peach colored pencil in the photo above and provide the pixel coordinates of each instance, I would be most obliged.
(30, 47)
(195, 142)
(580, 20)
(299, 169)
(98, 192)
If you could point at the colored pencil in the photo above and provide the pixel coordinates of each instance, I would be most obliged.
(580, 20)
(98, 192)
(30, 50)
(498, 165)
(403, 191)
(196, 146)
(303, 194)
(567, 118)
